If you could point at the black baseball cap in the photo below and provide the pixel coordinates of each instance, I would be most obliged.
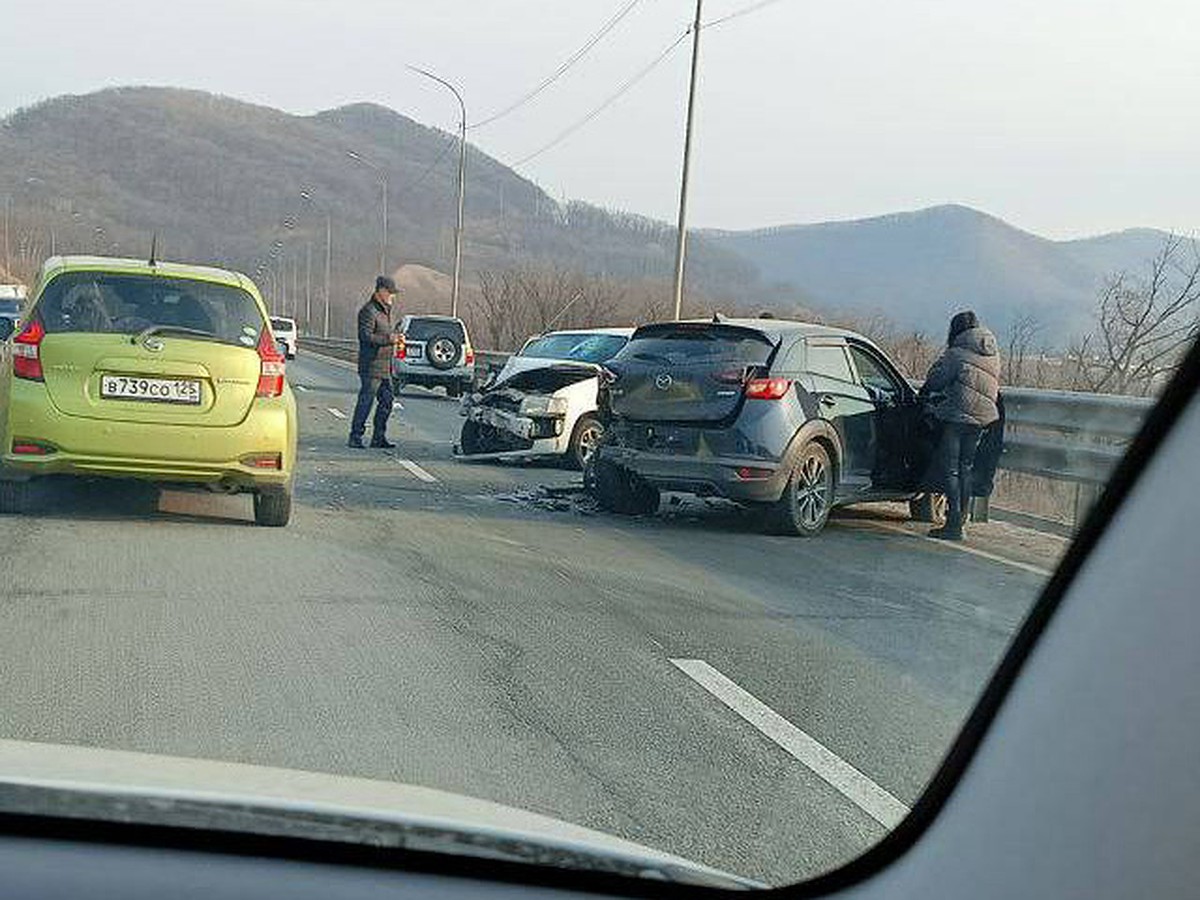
(384, 283)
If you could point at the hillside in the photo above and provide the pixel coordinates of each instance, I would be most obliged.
(918, 267)
(221, 181)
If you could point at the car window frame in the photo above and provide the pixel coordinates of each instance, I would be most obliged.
(903, 390)
(825, 341)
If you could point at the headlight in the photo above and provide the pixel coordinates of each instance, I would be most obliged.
(544, 406)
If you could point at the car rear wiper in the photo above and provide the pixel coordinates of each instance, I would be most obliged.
(174, 329)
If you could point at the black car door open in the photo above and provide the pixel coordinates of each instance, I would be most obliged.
(902, 445)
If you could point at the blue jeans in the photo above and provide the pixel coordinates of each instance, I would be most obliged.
(377, 390)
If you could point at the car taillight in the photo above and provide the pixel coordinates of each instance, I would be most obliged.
(27, 359)
(767, 388)
(401, 347)
(272, 367)
(470, 357)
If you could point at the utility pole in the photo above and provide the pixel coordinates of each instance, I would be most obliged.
(328, 259)
(462, 182)
(7, 229)
(383, 186)
(681, 235)
(307, 285)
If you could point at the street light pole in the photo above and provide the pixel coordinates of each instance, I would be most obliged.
(681, 234)
(462, 183)
(328, 259)
(383, 183)
(307, 285)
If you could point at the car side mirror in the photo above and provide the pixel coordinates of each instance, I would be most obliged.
(7, 327)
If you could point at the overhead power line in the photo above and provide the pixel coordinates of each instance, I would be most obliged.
(562, 69)
(625, 88)
(738, 13)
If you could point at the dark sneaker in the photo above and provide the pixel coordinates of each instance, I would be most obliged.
(355, 443)
(382, 444)
(943, 534)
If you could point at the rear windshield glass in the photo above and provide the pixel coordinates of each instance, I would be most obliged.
(99, 302)
(9, 306)
(698, 346)
(425, 329)
(283, 324)
(585, 347)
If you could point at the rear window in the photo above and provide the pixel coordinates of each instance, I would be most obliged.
(690, 345)
(103, 303)
(283, 325)
(425, 329)
(9, 307)
(594, 348)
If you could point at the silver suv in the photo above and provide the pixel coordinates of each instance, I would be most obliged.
(435, 352)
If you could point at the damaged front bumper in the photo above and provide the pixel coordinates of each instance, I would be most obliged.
(531, 426)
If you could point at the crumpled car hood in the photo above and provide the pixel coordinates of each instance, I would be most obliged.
(123, 786)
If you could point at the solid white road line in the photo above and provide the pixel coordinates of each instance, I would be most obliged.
(417, 472)
(953, 545)
(336, 413)
(859, 789)
(302, 388)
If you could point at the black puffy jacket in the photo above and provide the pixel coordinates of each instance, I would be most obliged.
(962, 386)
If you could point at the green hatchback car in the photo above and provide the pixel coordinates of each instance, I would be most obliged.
(162, 372)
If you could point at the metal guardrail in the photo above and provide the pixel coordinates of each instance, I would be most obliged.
(1059, 435)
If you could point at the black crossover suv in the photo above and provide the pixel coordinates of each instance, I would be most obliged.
(790, 417)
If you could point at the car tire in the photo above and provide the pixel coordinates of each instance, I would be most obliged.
(474, 439)
(618, 490)
(14, 497)
(927, 508)
(585, 438)
(442, 352)
(272, 507)
(803, 508)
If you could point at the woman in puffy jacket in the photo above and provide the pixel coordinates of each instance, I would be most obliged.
(961, 390)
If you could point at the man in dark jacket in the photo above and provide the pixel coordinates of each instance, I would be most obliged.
(376, 347)
(961, 390)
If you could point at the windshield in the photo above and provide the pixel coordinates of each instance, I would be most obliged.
(102, 303)
(594, 348)
(662, 447)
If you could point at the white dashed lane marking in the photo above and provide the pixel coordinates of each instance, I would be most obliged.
(336, 413)
(417, 472)
(859, 789)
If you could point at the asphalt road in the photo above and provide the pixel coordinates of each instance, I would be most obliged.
(423, 620)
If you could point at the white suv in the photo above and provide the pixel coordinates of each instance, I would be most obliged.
(435, 352)
(285, 333)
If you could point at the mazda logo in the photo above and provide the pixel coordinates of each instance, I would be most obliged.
(663, 382)
(153, 344)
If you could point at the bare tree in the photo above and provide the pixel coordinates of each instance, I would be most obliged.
(1143, 325)
(1019, 342)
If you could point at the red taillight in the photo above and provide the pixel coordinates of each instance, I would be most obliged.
(767, 388)
(470, 358)
(272, 368)
(31, 448)
(27, 359)
(750, 473)
(401, 347)
(263, 461)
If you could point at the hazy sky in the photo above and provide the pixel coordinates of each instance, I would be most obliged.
(1063, 117)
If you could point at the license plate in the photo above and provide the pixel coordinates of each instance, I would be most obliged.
(151, 390)
(415, 351)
